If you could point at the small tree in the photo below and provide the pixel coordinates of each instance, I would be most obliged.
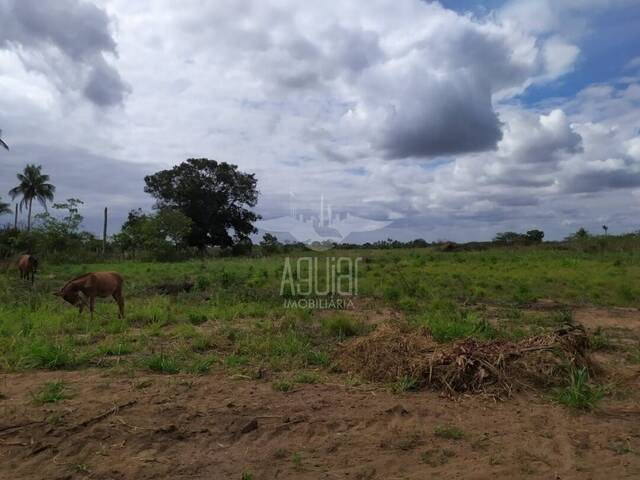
(580, 234)
(161, 233)
(172, 225)
(59, 233)
(270, 244)
(535, 236)
(606, 229)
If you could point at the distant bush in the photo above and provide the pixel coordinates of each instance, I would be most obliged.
(510, 238)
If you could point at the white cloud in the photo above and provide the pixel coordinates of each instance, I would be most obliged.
(390, 109)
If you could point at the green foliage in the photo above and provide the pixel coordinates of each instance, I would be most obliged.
(600, 340)
(340, 325)
(215, 195)
(33, 185)
(316, 358)
(510, 238)
(449, 432)
(447, 322)
(580, 234)
(246, 326)
(49, 354)
(405, 383)
(579, 394)
(163, 233)
(306, 377)
(162, 363)
(535, 236)
(270, 244)
(283, 385)
(51, 392)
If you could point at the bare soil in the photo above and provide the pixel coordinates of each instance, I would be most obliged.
(218, 427)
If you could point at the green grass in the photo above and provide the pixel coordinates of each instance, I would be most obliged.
(283, 385)
(449, 432)
(340, 325)
(51, 392)
(600, 340)
(306, 377)
(579, 394)
(448, 323)
(162, 363)
(236, 316)
(405, 383)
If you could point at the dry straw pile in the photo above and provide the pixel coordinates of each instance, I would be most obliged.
(496, 366)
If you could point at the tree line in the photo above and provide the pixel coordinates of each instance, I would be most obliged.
(200, 204)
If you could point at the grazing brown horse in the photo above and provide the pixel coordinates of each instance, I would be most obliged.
(92, 285)
(28, 265)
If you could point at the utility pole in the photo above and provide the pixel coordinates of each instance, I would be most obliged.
(104, 233)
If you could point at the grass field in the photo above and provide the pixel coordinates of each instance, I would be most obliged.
(234, 316)
(226, 381)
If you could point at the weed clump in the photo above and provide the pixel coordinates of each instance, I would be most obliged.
(342, 326)
(579, 394)
(51, 392)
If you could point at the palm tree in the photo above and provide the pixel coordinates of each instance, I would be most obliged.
(33, 184)
(4, 207)
(605, 228)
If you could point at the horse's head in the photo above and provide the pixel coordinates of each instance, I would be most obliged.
(69, 296)
(33, 261)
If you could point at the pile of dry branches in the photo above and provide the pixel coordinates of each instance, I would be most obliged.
(496, 366)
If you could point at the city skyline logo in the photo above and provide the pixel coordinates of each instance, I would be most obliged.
(320, 231)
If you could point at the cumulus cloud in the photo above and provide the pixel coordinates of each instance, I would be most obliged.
(414, 81)
(398, 110)
(55, 37)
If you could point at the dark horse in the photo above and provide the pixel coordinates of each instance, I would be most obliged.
(92, 285)
(28, 266)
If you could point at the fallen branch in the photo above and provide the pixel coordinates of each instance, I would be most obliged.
(8, 429)
(102, 416)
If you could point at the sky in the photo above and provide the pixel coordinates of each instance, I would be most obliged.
(451, 120)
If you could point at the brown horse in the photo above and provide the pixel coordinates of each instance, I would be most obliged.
(28, 265)
(92, 285)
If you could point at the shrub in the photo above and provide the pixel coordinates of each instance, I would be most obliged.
(162, 363)
(579, 394)
(51, 392)
(341, 326)
(452, 433)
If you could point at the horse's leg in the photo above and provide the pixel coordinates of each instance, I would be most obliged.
(117, 296)
(92, 304)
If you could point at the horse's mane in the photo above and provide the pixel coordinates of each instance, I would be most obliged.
(74, 279)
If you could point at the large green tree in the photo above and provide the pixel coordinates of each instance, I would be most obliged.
(33, 186)
(216, 196)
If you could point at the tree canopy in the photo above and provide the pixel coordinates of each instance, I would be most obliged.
(532, 236)
(33, 186)
(216, 196)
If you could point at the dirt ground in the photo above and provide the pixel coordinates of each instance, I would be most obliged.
(218, 427)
